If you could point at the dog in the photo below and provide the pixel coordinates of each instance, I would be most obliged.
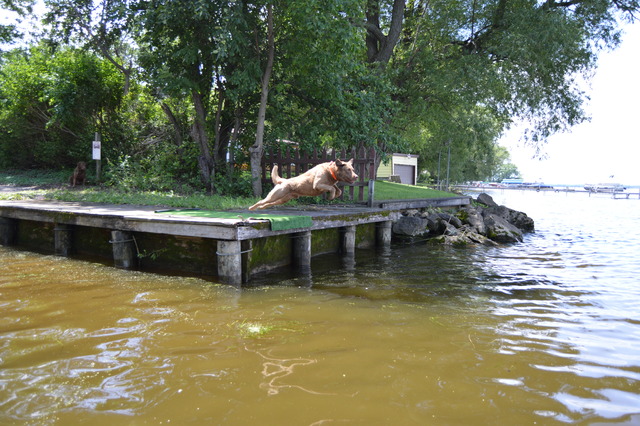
(316, 181)
(79, 174)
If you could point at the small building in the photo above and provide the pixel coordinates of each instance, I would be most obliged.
(403, 165)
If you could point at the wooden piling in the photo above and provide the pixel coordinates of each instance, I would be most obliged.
(229, 257)
(348, 237)
(302, 251)
(8, 231)
(383, 234)
(124, 250)
(63, 239)
(245, 260)
(372, 183)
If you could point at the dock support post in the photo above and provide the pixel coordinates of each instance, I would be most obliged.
(348, 234)
(63, 239)
(124, 251)
(371, 193)
(302, 251)
(247, 248)
(8, 231)
(229, 258)
(383, 234)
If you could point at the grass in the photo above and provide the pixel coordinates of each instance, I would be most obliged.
(33, 177)
(397, 191)
(113, 196)
(51, 185)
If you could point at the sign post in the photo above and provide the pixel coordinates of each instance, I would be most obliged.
(97, 146)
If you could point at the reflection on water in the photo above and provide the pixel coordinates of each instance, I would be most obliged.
(544, 332)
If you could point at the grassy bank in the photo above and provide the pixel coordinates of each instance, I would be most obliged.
(396, 191)
(46, 185)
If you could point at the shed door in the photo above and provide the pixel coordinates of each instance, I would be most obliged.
(407, 173)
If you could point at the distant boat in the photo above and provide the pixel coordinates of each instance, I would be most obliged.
(605, 187)
(521, 184)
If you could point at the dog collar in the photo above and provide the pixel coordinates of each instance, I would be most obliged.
(333, 175)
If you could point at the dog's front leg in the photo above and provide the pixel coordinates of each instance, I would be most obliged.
(321, 187)
(338, 192)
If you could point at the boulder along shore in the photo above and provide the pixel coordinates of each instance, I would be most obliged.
(483, 222)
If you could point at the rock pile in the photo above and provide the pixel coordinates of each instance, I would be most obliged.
(487, 223)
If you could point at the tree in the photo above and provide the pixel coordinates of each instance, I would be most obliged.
(103, 26)
(52, 102)
(258, 148)
(8, 33)
(196, 49)
(489, 61)
(342, 73)
(504, 168)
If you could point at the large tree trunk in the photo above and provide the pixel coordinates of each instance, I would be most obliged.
(379, 46)
(258, 148)
(199, 133)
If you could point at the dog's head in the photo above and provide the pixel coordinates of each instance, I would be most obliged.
(345, 171)
(81, 165)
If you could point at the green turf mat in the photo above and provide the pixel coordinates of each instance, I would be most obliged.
(278, 222)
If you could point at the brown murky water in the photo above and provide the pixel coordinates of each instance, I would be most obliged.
(545, 332)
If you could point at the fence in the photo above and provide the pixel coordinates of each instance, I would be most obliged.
(292, 162)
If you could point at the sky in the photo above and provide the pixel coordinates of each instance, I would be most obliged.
(608, 145)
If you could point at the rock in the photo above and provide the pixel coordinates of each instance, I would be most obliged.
(447, 240)
(498, 229)
(435, 224)
(469, 232)
(410, 226)
(461, 240)
(514, 217)
(451, 219)
(473, 217)
(450, 229)
(411, 212)
(486, 199)
(470, 225)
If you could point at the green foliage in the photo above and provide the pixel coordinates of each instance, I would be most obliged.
(20, 8)
(174, 86)
(237, 183)
(323, 93)
(504, 168)
(465, 70)
(52, 103)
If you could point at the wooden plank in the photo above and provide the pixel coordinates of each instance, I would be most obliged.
(422, 203)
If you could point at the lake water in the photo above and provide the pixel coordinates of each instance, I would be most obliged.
(543, 332)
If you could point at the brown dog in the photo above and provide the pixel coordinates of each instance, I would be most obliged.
(316, 181)
(79, 174)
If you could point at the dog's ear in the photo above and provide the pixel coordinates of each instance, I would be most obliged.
(339, 163)
(350, 162)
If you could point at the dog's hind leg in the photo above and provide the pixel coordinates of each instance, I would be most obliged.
(279, 201)
(278, 193)
(276, 197)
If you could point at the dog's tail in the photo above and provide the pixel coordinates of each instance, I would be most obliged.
(274, 175)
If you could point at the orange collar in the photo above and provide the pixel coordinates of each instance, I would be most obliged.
(333, 175)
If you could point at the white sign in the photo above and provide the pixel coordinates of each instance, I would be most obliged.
(96, 150)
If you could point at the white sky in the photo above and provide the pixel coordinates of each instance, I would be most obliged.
(607, 145)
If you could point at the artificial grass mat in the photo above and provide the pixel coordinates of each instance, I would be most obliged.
(278, 222)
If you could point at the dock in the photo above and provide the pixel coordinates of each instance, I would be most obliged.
(233, 248)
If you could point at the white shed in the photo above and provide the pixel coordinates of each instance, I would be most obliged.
(403, 165)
